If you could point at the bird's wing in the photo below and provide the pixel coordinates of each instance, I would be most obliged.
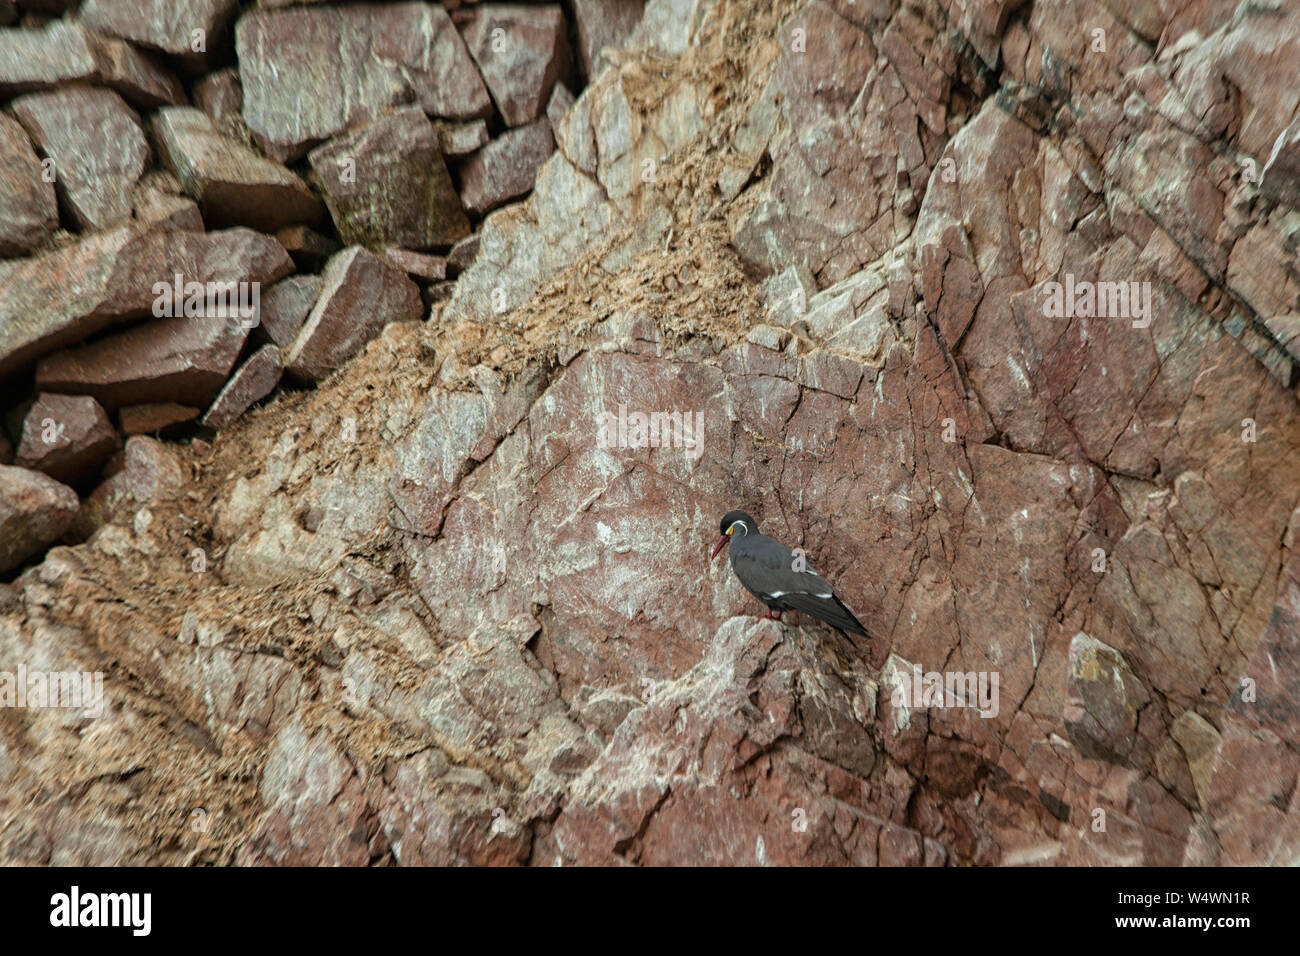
(767, 569)
(825, 607)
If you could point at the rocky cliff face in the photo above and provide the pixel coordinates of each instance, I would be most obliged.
(427, 613)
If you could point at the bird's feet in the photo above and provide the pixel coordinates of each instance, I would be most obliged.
(772, 616)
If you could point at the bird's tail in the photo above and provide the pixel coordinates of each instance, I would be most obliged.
(850, 625)
(844, 634)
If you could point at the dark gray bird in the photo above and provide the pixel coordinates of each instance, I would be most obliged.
(767, 569)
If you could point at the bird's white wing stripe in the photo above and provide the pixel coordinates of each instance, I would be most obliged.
(777, 594)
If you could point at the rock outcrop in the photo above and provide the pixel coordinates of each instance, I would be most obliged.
(991, 310)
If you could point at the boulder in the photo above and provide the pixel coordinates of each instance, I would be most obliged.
(28, 210)
(375, 56)
(233, 185)
(138, 77)
(505, 168)
(522, 52)
(360, 294)
(97, 147)
(189, 29)
(184, 359)
(63, 297)
(35, 511)
(34, 59)
(386, 184)
(252, 382)
(66, 436)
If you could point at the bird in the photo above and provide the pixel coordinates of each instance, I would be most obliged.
(768, 570)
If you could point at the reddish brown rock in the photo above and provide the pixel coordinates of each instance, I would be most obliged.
(146, 471)
(309, 249)
(506, 167)
(167, 211)
(558, 105)
(185, 360)
(62, 297)
(232, 184)
(285, 307)
(822, 205)
(139, 78)
(28, 211)
(1248, 816)
(41, 307)
(252, 382)
(66, 436)
(437, 293)
(460, 139)
(219, 94)
(386, 184)
(421, 267)
(462, 254)
(190, 29)
(98, 149)
(376, 56)
(33, 59)
(1105, 698)
(154, 417)
(360, 294)
(522, 52)
(601, 24)
(35, 511)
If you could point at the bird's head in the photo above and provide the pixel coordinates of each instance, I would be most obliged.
(733, 523)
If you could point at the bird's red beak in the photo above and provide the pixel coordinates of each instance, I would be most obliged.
(722, 543)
